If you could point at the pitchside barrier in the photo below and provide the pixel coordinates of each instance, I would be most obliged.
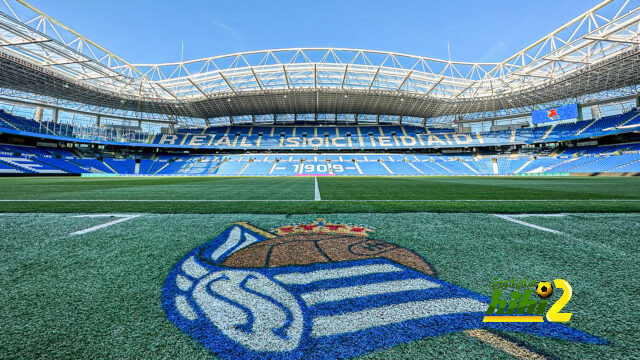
(101, 175)
(544, 174)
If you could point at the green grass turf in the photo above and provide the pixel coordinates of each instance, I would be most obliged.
(97, 295)
(294, 195)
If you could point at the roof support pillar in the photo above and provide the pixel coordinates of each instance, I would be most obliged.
(580, 117)
(98, 120)
(54, 115)
(595, 112)
(38, 115)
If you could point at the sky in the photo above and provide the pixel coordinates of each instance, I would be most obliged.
(148, 31)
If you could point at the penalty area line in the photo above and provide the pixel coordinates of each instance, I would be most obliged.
(122, 218)
(509, 218)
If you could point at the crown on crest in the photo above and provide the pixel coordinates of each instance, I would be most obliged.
(321, 226)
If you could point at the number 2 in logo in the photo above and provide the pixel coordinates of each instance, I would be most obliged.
(554, 313)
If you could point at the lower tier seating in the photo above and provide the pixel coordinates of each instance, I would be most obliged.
(622, 158)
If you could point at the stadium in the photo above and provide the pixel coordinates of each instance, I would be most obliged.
(320, 202)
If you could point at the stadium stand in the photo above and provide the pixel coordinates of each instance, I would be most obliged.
(323, 140)
(30, 165)
(91, 165)
(621, 158)
(8, 169)
(402, 168)
(347, 137)
(121, 166)
(374, 168)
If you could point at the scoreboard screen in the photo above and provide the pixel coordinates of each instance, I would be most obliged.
(565, 112)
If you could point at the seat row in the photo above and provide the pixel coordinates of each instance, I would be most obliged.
(602, 159)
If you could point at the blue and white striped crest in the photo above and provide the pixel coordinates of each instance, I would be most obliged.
(320, 311)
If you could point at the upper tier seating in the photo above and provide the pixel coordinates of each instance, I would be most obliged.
(10, 121)
(340, 137)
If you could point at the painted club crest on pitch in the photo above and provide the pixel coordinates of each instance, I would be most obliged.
(319, 291)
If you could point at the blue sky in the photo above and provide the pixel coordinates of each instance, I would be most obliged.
(147, 31)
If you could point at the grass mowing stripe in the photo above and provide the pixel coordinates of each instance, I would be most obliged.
(316, 207)
(330, 200)
(375, 188)
(348, 195)
(480, 188)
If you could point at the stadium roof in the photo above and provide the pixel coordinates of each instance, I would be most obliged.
(596, 51)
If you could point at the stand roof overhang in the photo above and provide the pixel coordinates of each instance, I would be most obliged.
(598, 50)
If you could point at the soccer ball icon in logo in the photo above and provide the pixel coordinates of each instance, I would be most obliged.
(544, 289)
(318, 291)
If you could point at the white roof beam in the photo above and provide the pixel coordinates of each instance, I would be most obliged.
(255, 76)
(435, 84)
(68, 62)
(344, 76)
(373, 80)
(465, 89)
(197, 86)
(168, 91)
(228, 82)
(612, 39)
(286, 76)
(25, 42)
(566, 59)
(404, 80)
(102, 77)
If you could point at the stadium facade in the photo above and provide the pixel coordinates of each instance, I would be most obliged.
(567, 103)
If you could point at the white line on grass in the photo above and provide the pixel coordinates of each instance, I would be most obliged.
(543, 215)
(122, 218)
(302, 200)
(510, 218)
(317, 194)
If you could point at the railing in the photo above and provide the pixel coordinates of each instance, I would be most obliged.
(9, 121)
(110, 134)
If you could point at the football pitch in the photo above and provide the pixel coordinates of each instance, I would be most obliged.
(84, 260)
(74, 289)
(298, 195)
